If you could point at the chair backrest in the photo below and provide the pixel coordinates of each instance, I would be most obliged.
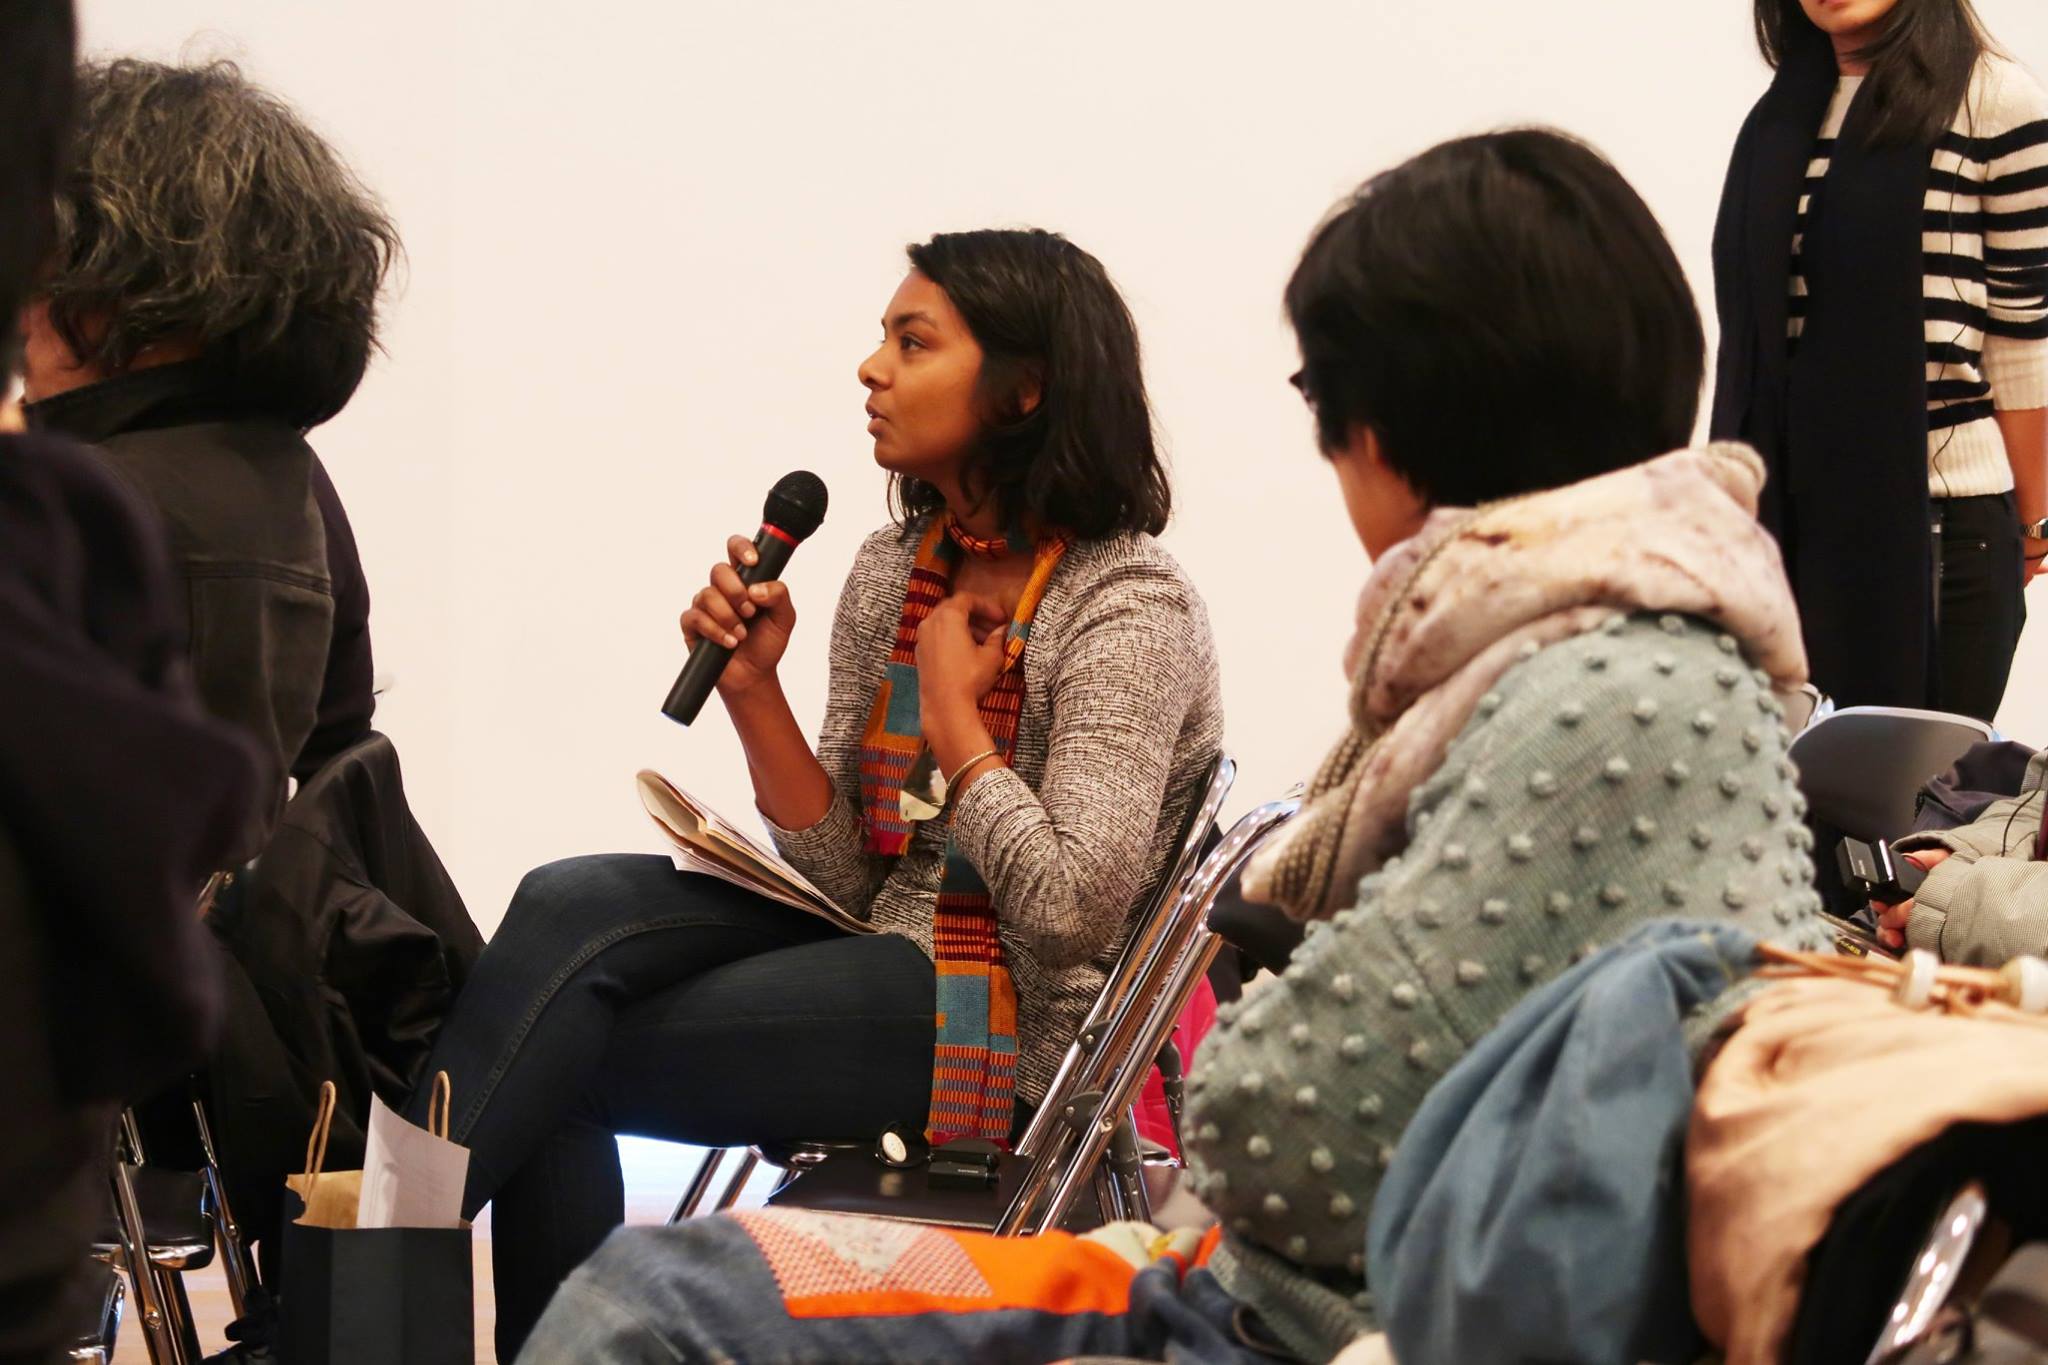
(1262, 933)
(1861, 768)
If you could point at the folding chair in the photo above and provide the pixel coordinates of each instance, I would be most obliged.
(1860, 768)
(1084, 1131)
(1143, 942)
(160, 1227)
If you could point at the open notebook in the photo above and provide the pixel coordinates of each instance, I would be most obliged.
(705, 842)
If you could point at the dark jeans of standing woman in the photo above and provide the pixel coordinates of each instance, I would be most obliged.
(623, 996)
(1981, 606)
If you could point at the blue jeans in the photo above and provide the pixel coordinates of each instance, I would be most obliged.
(704, 1291)
(623, 996)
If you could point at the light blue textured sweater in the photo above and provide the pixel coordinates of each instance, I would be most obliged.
(1633, 772)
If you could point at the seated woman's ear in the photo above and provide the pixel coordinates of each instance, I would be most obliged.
(1384, 507)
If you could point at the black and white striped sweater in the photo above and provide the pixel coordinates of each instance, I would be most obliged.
(1985, 245)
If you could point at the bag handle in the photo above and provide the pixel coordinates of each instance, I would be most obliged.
(439, 1104)
(316, 1144)
(1921, 981)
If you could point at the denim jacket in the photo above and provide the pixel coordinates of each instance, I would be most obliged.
(254, 542)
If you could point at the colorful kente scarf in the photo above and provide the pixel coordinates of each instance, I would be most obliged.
(974, 1064)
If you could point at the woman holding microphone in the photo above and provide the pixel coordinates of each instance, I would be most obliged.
(1019, 634)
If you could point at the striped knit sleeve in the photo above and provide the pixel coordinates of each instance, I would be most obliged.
(2013, 137)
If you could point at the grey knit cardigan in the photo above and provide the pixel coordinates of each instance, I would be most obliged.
(1121, 719)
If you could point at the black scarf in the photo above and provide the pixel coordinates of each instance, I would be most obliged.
(1843, 425)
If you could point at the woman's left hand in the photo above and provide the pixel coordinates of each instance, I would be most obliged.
(960, 651)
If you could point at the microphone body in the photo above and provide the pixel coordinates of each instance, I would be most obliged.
(708, 659)
(796, 506)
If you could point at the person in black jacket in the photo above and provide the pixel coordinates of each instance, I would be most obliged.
(197, 360)
(118, 795)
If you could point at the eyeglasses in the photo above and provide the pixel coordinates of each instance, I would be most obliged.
(1299, 379)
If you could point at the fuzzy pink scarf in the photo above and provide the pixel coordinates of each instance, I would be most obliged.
(1475, 591)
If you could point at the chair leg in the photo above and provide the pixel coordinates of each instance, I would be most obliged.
(700, 1185)
(228, 1232)
(184, 1331)
(158, 1334)
(738, 1184)
(1173, 1084)
(110, 1318)
(1125, 1163)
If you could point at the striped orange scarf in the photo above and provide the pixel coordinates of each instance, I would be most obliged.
(974, 1064)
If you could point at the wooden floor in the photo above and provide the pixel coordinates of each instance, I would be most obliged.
(656, 1174)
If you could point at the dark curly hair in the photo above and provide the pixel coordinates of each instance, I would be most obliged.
(37, 40)
(198, 206)
(1043, 310)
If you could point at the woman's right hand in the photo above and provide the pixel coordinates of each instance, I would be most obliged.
(753, 622)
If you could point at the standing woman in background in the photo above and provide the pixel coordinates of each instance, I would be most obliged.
(1880, 263)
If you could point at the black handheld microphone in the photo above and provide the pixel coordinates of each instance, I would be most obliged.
(795, 508)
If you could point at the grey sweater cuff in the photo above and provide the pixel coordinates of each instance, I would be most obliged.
(990, 803)
(1931, 903)
(827, 851)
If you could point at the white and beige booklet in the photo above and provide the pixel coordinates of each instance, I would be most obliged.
(704, 841)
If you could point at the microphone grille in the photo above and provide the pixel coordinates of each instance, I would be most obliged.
(796, 505)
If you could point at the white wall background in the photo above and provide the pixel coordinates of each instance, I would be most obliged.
(649, 243)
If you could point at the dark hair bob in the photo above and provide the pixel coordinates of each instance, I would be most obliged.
(1504, 313)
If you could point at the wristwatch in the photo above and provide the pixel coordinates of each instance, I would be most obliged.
(2035, 530)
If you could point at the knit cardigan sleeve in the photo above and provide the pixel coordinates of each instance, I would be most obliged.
(832, 852)
(1987, 902)
(1630, 773)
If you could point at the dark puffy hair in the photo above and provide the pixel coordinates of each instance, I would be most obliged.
(1045, 311)
(198, 206)
(1504, 313)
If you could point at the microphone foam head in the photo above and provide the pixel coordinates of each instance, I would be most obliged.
(796, 505)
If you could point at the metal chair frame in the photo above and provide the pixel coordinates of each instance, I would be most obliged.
(155, 1274)
(97, 1346)
(1087, 1133)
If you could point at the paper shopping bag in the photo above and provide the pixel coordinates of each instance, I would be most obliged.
(360, 1295)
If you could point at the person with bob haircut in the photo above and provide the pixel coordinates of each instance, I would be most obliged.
(1564, 722)
(1019, 633)
(211, 297)
(1881, 273)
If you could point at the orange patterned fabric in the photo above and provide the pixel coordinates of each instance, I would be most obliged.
(830, 1265)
